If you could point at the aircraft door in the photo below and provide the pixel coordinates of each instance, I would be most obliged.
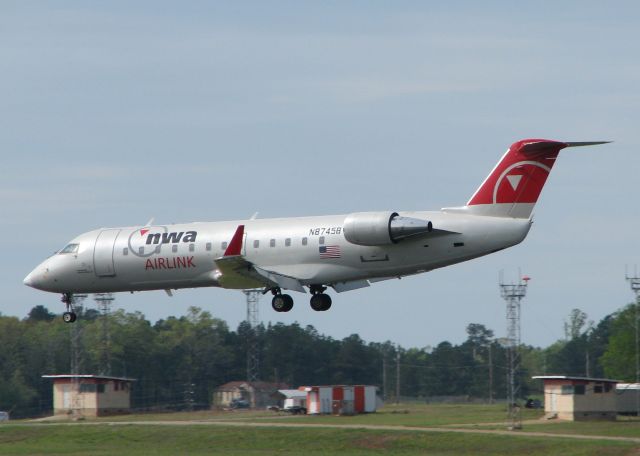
(103, 253)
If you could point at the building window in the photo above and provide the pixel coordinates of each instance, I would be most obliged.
(598, 388)
(125, 251)
(224, 245)
(287, 242)
(272, 243)
(100, 388)
(208, 246)
(578, 389)
(87, 388)
(567, 389)
(256, 244)
(116, 385)
(321, 240)
(304, 241)
(607, 387)
(174, 248)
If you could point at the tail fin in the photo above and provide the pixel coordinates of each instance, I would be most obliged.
(513, 187)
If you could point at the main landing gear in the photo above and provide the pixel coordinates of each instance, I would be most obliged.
(281, 302)
(69, 316)
(320, 301)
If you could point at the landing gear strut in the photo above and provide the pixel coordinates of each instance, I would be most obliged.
(281, 302)
(69, 316)
(320, 301)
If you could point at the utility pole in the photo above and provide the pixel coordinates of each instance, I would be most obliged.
(397, 375)
(634, 282)
(253, 319)
(513, 294)
(490, 372)
(384, 375)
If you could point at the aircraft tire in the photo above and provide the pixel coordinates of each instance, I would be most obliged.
(282, 303)
(320, 302)
(69, 317)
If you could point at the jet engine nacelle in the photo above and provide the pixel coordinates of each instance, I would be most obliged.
(382, 228)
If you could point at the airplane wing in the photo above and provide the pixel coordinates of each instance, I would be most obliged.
(237, 272)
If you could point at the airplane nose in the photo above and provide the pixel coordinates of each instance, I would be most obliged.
(28, 280)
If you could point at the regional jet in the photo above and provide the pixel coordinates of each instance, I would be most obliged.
(343, 252)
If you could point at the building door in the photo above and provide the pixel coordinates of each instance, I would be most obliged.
(553, 402)
(103, 253)
(66, 396)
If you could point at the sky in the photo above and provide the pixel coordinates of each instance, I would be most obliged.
(115, 112)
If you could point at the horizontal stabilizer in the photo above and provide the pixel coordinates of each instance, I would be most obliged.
(588, 143)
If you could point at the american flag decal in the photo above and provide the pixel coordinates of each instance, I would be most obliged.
(329, 251)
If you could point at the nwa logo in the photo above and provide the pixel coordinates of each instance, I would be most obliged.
(148, 240)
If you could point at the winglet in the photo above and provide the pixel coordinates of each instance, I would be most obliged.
(235, 246)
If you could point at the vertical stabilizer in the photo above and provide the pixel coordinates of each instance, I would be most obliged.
(513, 187)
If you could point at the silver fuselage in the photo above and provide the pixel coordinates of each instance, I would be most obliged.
(124, 259)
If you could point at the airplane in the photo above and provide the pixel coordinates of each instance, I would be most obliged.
(344, 252)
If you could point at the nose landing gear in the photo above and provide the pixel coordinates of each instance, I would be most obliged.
(69, 316)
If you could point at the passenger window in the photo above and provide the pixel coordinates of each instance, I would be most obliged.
(287, 242)
(272, 243)
(70, 248)
(192, 247)
(256, 244)
(321, 240)
(208, 246)
(224, 245)
(141, 250)
(174, 248)
(304, 241)
(125, 251)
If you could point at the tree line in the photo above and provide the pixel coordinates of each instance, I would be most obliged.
(179, 361)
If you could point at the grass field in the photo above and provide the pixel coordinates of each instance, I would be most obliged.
(213, 433)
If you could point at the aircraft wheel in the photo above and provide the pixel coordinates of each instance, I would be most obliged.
(69, 317)
(282, 303)
(320, 302)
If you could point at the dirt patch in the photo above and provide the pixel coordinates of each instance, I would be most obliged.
(376, 442)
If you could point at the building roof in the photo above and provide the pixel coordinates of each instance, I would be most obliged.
(571, 377)
(97, 377)
(628, 386)
(290, 394)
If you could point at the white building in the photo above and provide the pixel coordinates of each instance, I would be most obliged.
(579, 398)
(90, 395)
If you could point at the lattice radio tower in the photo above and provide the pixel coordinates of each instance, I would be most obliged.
(104, 300)
(513, 294)
(634, 282)
(75, 336)
(253, 318)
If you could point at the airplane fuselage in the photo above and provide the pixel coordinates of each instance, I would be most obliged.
(312, 249)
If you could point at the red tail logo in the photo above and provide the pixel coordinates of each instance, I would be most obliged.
(520, 175)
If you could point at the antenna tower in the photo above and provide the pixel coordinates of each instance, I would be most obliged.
(513, 294)
(253, 318)
(634, 282)
(104, 300)
(75, 336)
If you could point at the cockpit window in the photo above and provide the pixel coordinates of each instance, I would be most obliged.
(70, 248)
